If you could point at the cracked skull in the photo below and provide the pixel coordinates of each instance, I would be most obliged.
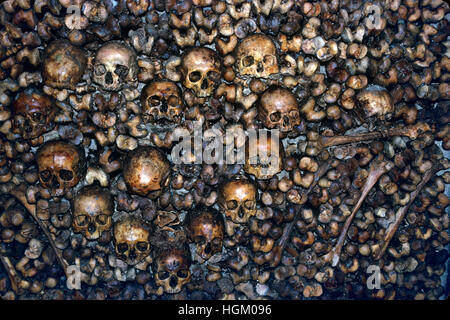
(93, 207)
(206, 229)
(145, 171)
(263, 157)
(278, 109)
(64, 65)
(132, 240)
(162, 100)
(172, 267)
(201, 70)
(237, 199)
(256, 56)
(115, 66)
(61, 166)
(33, 114)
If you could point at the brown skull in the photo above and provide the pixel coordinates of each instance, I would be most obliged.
(266, 159)
(201, 70)
(115, 66)
(256, 56)
(237, 198)
(33, 114)
(206, 228)
(162, 100)
(93, 208)
(132, 239)
(171, 267)
(145, 170)
(375, 101)
(64, 65)
(61, 166)
(278, 109)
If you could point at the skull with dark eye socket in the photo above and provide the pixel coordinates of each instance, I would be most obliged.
(115, 66)
(161, 100)
(132, 240)
(93, 207)
(171, 267)
(206, 229)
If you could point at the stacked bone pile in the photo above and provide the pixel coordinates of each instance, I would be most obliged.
(94, 206)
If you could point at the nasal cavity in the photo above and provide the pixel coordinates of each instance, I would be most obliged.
(55, 182)
(205, 84)
(163, 106)
(208, 248)
(108, 78)
(132, 255)
(286, 120)
(260, 67)
(91, 228)
(173, 282)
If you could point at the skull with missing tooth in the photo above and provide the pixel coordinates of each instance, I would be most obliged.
(237, 198)
(115, 66)
(64, 65)
(146, 170)
(93, 208)
(256, 56)
(33, 114)
(278, 109)
(263, 157)
(61, 166)
(132, 240)
(206, 228)
(171, 267)
(201, 70)
(162, 100)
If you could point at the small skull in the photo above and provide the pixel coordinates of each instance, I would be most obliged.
(375, 101)
(201, 70)
(162, 100)
(263, 158)
(206, 228)
(93, 207)
(132, 240)
(237, 198)
(64, 65)
(172, 267)
(256, 56)
(33, 114)
(278, 109)
(146, 170)
(115, 66)
(61, 166)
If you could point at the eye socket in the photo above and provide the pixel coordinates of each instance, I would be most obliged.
(102, 219)
(213, 76)
(122, 248)
(195, 76)
(99, 70)
(248, 61)
(45, 175)
(142, 246)
(294, 114)
(217, 241)
(199, 239)
(269, 60)
(249, 204)
(81, 220)
(174, 101)
(275, 117)
(163, 275)
(232, 204)
(183, 273)
(65, 175)
(154, 99)
(121, 71)
(37, 117)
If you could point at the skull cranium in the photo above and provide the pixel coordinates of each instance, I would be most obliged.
(162, 100)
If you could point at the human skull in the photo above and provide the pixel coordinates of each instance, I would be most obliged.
(278, 109)
(145, 170)
(263, 157)
(64, 65)
(132, 240)
(201, 70)
(256, 56)
(92, 213)
(33, 114)
(206, 228)
(237, 198)
(115, 66)
(172, 267)
(162, 100)
(61, 166)
(375, 101)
